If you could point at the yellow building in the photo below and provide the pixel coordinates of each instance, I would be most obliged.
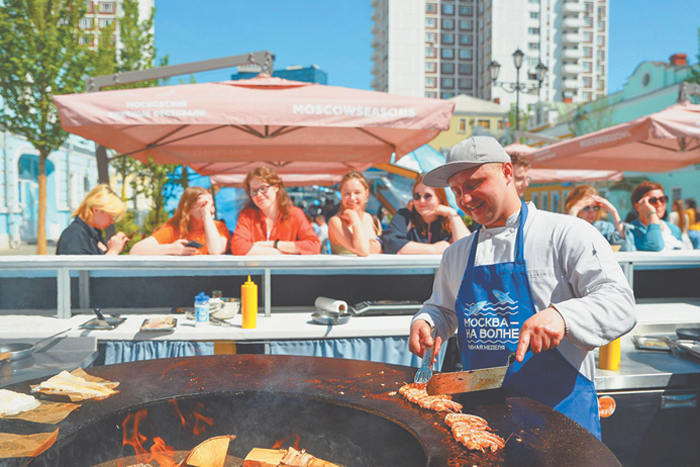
(472, 116)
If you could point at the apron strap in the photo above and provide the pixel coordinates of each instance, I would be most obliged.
(519, 240)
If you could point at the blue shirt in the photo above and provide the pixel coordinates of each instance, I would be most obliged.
(650, 238)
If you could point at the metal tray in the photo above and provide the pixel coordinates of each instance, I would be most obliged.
(111, 323)
(169, 322)
(690, 347)
(329, 318)
(651, 343)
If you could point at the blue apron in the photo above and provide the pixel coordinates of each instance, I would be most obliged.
(492, 304)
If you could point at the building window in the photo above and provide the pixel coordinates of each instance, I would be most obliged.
(86, 39)
(484, 124)
(447, 53)
(462, 125)
(448, 9)
(535, 31)
(587, 37)
(465, 83)
(448, 39)
(86, 23)
(601, 85)
(589, 7)
(447, 95)
(587, 67)
(465, 69)
(600, 25)
(600, 40)
(587, 82)
(448, 24)
(430, 37)
(430, 82)
(431, 8)
(430, 23)
(533, 1)
(500, 124)
(587, 21)
(447, 83)
(586, 96)
(601, 11)
(465, 10)
(447, 68)
(465, 39)
(89, 7)
(430, 67)
(431, 95)
(104, 22)
(534, 15)
(588, 52)
(430, 52)
(107, 7)
(465, 54)
(600, 54)
(466, 25)
(533, 45)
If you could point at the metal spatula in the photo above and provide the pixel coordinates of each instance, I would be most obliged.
(468, 381)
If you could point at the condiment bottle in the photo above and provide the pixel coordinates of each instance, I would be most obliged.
(201, 310)
(609, 356)
(249, 304)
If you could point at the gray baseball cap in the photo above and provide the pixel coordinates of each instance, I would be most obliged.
(467, 154)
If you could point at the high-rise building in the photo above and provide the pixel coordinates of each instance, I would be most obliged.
(308, 74)
(101, 14)
(442, 48)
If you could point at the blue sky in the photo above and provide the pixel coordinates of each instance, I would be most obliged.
(336, 35)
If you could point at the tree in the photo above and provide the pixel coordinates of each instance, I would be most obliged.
(155, 181)
(40, 55)
(591, 116)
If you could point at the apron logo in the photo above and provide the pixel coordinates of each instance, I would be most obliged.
(488, 325)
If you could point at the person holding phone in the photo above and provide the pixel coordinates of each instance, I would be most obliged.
(100, 209)
(427, 228)
(651, 232)
(269, 224)
(191, 231)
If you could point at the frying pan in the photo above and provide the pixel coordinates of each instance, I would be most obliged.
(19, 351)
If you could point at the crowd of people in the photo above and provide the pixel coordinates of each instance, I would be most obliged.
(270, 224)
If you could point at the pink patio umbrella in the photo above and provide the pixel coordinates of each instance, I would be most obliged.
(660, 142)
(261, 119)
(561, 175)
(236, 180)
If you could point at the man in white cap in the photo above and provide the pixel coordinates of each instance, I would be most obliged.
(544, 286)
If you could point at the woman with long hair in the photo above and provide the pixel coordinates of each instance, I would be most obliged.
(353, 230)
(693, 222)
(193, 221)
(680, 219)
(269, 224)
(428, 227)
(651, 232)
(584, 202)
(100, 209)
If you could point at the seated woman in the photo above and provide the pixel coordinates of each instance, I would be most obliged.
(693, 222)
(193, 221)
(269, 224)
(100, 209)
(428, 227)
(584, 202)
(352, 230)
(651, 233)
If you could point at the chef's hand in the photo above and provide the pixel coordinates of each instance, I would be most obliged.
(420, 338)
(541, 332)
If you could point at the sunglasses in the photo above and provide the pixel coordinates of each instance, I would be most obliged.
(261, 190)
(425, 196)
(588, 208)
(658, 200)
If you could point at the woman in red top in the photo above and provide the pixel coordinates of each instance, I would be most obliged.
(269, 224)
(193, 220)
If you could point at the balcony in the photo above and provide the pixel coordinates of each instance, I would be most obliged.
(571, 69)
(571, 84)
(572, 54)
(573, 7)
(572, 38)
(572, 23)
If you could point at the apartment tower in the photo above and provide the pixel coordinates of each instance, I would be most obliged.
(442, 48)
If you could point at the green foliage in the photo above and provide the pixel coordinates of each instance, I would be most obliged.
(153, 181)
(591, 116)
(136, 233)
(695, 74)
(524, 117)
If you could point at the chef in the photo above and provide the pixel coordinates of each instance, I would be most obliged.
(544, 286)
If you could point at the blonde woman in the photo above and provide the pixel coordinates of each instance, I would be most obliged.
(585, 202)
(353, 230)
(100, 209)
(193, 221)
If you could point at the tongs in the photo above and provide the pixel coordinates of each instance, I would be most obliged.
(425, 372)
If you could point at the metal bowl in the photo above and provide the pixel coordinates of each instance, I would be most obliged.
(329, 318)
(17, 351)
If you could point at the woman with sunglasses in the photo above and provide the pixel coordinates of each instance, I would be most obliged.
(585, 203)
(269, 224)
(191, 231)
(427, 228)
(353, 230)
(100, 209)
(650, 231)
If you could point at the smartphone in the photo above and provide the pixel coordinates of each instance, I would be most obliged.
(194, 244)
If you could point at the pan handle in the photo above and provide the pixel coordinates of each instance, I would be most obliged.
(50, 337)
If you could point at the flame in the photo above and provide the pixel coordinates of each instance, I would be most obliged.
(162, 453)
(280, 444)
(177, 409)
(200, 422)
(159, 451)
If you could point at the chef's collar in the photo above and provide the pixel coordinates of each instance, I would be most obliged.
(512, 221)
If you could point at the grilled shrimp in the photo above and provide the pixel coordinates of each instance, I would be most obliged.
(446, 405)
(408, 386)
(479, 440)
(453, 419)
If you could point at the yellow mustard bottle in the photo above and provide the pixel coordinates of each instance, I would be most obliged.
(249, 304)
(609, 356)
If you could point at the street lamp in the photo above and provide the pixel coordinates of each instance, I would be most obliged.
(495, 68)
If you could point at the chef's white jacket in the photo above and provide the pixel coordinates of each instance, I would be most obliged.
(570, 266)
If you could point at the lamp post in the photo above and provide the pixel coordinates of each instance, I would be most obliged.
(495, 68)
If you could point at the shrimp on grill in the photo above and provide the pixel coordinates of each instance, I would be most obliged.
(416, 394)
(478, 439)
(473, 421)
(406, 387)
(445, 405)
